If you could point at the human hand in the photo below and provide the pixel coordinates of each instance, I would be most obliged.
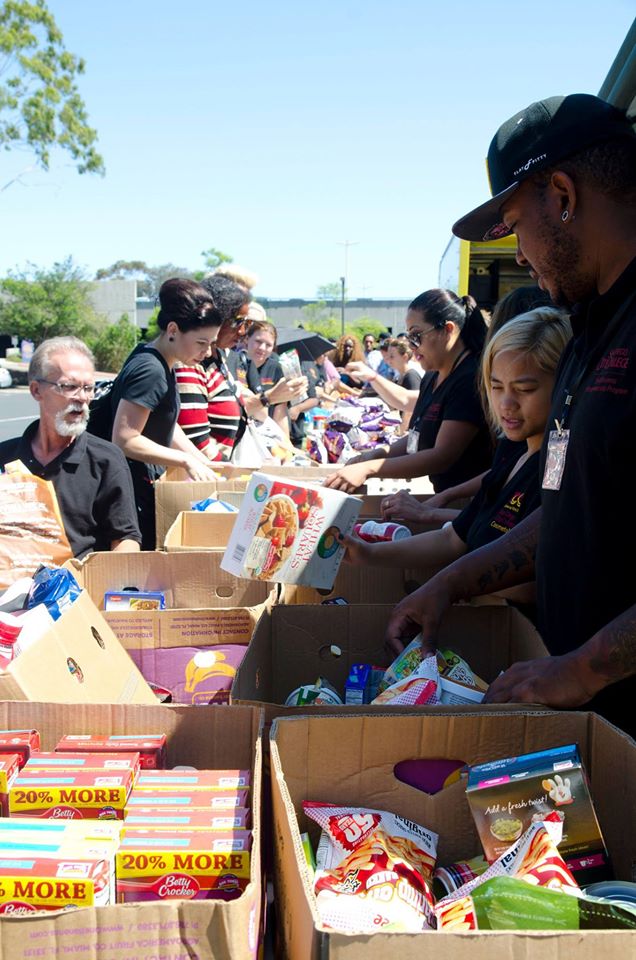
(403, 506)
(197, 469)
(286, 390)
(360, 371)
(357, 552)
(553, 681)
(349, 478)
(421, 611)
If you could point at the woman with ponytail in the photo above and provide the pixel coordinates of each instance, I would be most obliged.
(145, 400)
(448, 439)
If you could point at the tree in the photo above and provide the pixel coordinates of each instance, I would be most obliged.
(114, 343)
(36, 303)
(213, 258)
(40, 105)
(149, 279)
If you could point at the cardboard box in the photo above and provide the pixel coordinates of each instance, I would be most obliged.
(194, 530)
(362, 585)
(288, 532)
(362, 752)
(206, 605)
(77, 660)
(295, 645)
(204, 737)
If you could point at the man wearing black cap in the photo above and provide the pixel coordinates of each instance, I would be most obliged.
(563, 179)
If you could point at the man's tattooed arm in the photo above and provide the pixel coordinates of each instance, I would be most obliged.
(611, 653)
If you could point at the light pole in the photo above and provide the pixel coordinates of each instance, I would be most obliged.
(343, 281)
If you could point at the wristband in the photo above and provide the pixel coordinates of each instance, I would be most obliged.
(263, 399)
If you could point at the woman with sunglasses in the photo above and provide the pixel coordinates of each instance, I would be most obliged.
(518, 371)
(447, 439)
(145, 401)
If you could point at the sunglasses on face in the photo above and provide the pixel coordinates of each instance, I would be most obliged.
(417, 336)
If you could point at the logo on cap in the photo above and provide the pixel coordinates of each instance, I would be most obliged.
(530, 163)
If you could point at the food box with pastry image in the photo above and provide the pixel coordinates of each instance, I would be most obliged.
(507, 796)
(289, 532)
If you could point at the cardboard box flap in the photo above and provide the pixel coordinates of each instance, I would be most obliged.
(201, 531)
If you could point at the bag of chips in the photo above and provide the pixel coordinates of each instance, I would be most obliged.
(374, 870)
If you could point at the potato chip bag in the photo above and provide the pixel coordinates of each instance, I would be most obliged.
(374, 870)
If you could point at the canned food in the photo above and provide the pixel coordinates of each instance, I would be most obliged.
(374, 532)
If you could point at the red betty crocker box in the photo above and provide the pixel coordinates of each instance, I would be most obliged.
(203, 799)
(150, 747)
(84, 761)
(191, 866)
(31, 884)
(289, 532)
(152, 818)
(193, 779)
(92, 794)
(9, 769)
(22, 742)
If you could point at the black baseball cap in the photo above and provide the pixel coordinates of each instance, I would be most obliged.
(534, 139)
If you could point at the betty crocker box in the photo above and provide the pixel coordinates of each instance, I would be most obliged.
(98, 794)
(288, 532)
(49, 760)
(193, 779)
(153, 818)
(22, 742)
(151, 747)
(9, 769)
(29, 884)
(197, 799)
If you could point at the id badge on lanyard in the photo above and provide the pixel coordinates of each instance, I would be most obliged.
(555, 460)
(413, 441)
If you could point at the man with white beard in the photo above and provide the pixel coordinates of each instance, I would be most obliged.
(90, 476)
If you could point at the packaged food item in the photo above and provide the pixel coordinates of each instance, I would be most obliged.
(56, 588)
(193, 780)
(153, 865)
(83, 761)
(204, 799)
(134, 600)
(193, 675)
(212, 505)
(453, 667)
(308, 850)
(238, 818)
(404, 664)
(151, 747)
(374, 870)
(99, 794)
(358, 684)
(9, 769)
(291, 367)
(32, 884)
(32, 829)
(320, 692)
(506, 796)
(420, 686)
(374, 532)
(614, 891)
(289, 532)
(335, 602)
(448, 879)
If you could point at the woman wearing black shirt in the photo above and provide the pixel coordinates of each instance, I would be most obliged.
(145, 400)
(448, 439)
(518, 369)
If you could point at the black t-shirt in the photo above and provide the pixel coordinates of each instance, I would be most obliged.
(411, 380)
(146, 379)
(501, 503)
(456, 398)
(585, 576)
(93, 487)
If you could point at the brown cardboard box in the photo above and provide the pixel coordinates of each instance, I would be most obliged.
(208, 930)
(77, 660)
(294, 645)
(350, 760)
(205, 604)
(194, 530)
(362, 585)
(174, 493)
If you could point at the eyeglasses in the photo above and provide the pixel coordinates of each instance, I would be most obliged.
(68, 389)
(238, 322)
(416, 338)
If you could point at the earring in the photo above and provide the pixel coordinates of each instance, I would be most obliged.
(171, 338)
(565, 215)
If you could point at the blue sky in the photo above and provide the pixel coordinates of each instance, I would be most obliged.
(273, 130)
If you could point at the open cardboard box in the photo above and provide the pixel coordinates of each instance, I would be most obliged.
(204, 604)
(295, 645)
(362, 585)
(204, 737)
(194, 530)
(350, 760)
(78, 659)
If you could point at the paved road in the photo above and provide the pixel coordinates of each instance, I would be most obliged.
(17, 409)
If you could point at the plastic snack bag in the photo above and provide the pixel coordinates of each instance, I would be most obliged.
(374, 870)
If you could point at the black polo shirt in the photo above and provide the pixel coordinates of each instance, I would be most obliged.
(456, 398)
(501, 503)
(93, 487)
(585, 570)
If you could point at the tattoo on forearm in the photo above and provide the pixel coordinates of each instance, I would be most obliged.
(617, 657)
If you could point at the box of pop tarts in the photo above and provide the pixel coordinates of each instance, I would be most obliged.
(151, 747)
(99, 794)
(167, 865)
(158, 818)
(204, 799)
(289, 532)
(83, 761)
(506, 796)
(33, 883)
(22, 742)
(9, 769)
(193, 779)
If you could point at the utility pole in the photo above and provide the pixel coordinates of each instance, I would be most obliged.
(343, 280)
(342, 305)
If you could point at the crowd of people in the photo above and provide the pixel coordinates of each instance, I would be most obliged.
(526, 414)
